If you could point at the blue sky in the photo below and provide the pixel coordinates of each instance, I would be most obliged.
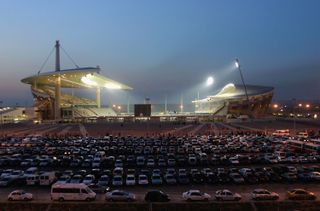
(165, 47)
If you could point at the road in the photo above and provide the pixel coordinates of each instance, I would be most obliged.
(42, 194)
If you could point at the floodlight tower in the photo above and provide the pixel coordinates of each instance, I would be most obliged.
(237, 63)
(57, 114)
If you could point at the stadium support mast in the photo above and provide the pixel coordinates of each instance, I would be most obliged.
(98, 97)
(57, 115)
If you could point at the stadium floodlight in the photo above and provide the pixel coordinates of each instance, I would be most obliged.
(112, 86)
(210, 81)
(237, 63)
(86, 80)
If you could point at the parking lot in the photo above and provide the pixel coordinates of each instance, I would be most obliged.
(169, 161)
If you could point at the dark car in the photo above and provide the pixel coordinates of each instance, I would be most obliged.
(156, 196)
(183, 179)
(197, 178)
(99, 188)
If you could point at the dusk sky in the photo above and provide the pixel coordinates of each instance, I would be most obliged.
(166, 47)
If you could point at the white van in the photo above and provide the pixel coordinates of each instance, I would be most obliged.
(69, 191)
(47, 178)
(32, 179)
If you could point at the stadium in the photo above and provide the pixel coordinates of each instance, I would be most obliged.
(235, 100)
(51, 103)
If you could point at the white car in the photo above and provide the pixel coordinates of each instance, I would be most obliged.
(88, 179)
(315, 175)
(195, 195)
(150, 163)
(16, 174)
(130, 180)
(226, 195)
(63, 179)
(263, 194)
(117, 180)
(20, 195)
(143, 180)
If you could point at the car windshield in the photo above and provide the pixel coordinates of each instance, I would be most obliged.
(117, 178)
(89, 190)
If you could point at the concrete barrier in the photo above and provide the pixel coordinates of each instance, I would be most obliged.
(192, 206)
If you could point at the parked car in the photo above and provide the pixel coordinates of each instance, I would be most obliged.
(226, 195)
(117, 180)
(20, 195)
(119, 195)
(143, 180)
(195, 195)
(156, 196)
(301, 194)
(104, 180)
(263, 194)
(99, 188)
(88, 179)
(130, 180)
(156, 179)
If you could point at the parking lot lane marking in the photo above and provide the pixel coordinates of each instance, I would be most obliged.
(253, 205)
(49, 207)
(83, 130)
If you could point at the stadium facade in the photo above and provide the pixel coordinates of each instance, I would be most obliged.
(53, 104)
(234, 100)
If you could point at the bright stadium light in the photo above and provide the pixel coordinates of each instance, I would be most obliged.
(86, 80)
(210, 81)
(237, 63)
(112, 86)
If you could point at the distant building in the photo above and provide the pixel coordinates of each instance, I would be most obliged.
(16, 114)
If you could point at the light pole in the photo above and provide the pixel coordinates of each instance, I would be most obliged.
(1, 102)
(294, 116)
(237, 63)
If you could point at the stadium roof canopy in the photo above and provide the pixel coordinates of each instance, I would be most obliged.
(232, 91)
(87, 77)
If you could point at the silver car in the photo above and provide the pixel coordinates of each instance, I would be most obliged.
(119, 195)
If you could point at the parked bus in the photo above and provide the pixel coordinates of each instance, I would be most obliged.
(74, 192)
(281, 133)
(304, 146)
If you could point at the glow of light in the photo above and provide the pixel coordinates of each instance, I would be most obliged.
(275, 106)
(300, 105)
(181, 106)
(113, 105)
(237, 63)
(308, 106)
(112, 86)
(209, 81)
(315, 116)
(86, 80)
(119, 107)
